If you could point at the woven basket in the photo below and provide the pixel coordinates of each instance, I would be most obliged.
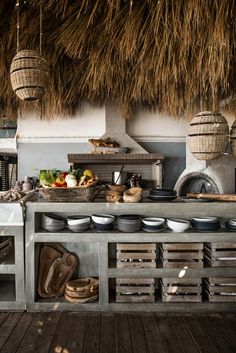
(233, 138)
(133, 195)
(29, 75)
(208, 135)
(76, 194)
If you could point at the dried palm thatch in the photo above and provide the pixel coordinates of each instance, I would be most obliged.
(171, 55)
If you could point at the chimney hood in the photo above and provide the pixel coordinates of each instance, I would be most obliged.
(116, 129)
(138, 160)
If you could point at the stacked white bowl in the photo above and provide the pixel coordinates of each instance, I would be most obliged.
(178, 225)
(103, 222)
(78, 223)
(153, 224)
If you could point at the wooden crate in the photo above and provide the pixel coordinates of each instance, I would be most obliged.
(133, 255)
(182, 255)
(220, 254)
(181, 289)
(221, 289)
(135, 290)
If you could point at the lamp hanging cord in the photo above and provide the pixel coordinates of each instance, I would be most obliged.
(17, 25)
(40, 27)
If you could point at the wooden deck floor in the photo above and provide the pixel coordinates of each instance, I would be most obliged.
(116, 333)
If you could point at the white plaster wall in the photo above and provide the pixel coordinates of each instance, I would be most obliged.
(88, 122)
(148, 123)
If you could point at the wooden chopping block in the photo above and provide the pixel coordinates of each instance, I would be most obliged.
(83, 285)
(217, 197)
(6, 248)
(47, 256)
(59, 273)
(81, 295)
(80, 300)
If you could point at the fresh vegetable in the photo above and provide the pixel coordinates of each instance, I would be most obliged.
(88, 173)
(55, 185)
(71, 180)
(59, 178)
(47, 177)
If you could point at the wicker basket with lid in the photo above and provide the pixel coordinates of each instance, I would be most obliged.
(208, 135)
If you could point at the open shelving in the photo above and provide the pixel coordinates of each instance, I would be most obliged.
(12, 269)
(95, 253)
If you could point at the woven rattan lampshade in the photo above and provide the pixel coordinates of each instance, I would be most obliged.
(29, 75)
(233, 138)
(208, 135)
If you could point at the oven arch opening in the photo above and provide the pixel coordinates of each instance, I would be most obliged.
(197, 182)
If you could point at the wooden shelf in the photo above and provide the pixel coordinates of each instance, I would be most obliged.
(120, 158)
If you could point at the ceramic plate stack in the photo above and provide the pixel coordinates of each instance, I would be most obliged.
(129, 223)
(103, 222)
(162, 195)
(153, 224)
(78, 223)
(205, 224)
(52, 222)
(231, 225)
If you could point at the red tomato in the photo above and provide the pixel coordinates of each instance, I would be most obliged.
(55, 185)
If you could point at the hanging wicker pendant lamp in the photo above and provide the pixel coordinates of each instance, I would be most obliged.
(29, 71)
(208, 135)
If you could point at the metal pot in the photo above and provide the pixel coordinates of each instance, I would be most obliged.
(118, 178)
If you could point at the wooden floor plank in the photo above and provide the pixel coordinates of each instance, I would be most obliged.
(28, 343)
(231, 321)
(8, 326)
(137, 332)
(224, 330)
(219, 342)
(168, 335)
(17, 333)
(61, 337)
(201, 338)
(3, 317)
(123, 339)
(77, 335)
(92, 334)
(49, 326)
(184, 337)
(153, 335)
(108, 339)
(57, 332)
(40, 334)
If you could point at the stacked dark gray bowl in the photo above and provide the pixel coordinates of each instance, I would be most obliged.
(53, 223)
(162, 195)
(129, 223)
(206, 224)
(231, 225)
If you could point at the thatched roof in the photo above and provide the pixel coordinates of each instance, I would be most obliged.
(176, 56)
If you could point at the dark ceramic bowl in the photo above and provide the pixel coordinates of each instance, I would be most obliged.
(103, 227)
(162, 192)
(130, 217)
(54, 217)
